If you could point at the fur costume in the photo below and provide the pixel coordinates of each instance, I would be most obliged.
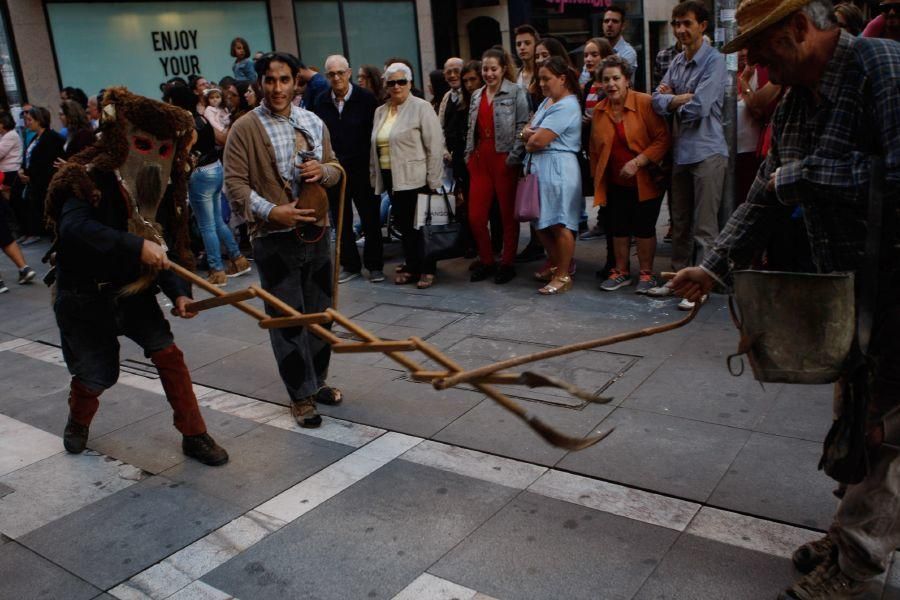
(124, 118)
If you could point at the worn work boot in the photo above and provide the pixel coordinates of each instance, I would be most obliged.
(237, 267)
(305, 413)
(826, 582)
(811, 554)
(75, 437)
(83, 404)
(204, 449)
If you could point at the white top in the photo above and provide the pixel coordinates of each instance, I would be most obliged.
(10, 152)
(748, 130)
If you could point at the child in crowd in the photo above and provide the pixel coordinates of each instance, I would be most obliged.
(215, 113)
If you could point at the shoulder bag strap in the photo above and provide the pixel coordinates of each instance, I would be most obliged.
(867, 299)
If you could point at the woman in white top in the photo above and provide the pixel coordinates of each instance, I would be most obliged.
(407, 156)
(10, 161)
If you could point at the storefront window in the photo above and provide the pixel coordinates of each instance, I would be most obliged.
(374, 31)
(10, 90)
(142, 44)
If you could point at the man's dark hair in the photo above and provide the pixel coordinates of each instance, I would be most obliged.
(227, 81)
(184, 98)
(262, 64)
(526, 30)
(616, 9)
(76, 94)
(691, 6)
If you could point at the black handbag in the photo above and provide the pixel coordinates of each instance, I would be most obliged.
(440, 242)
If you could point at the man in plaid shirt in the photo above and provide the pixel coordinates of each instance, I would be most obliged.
(842, 108)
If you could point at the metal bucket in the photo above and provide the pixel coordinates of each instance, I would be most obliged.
(795, 327)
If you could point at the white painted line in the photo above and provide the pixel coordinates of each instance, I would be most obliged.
(22, 445)
(42, 352)
(478, 465)
(242, 406)
(751, 533)
(201, 591)
(327, 483)
(429, 587)
(616, 499)
(60, 485)
(13, 344)
(333, 430)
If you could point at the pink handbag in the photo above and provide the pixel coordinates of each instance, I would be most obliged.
(528, 197)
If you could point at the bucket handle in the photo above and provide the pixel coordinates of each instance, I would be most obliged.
(732, 310)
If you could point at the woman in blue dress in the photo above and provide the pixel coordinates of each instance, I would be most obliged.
(553, 140)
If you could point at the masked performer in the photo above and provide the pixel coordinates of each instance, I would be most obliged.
(111, 259)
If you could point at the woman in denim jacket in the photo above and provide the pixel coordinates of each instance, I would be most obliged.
(497, 112)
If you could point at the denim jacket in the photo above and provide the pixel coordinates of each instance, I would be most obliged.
(510, 116)
(243, 70)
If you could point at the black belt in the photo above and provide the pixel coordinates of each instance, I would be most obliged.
(88, 287)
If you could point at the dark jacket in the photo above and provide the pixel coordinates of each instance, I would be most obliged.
(351, 129)
(40, 167)
(79, 142)
(94, 245)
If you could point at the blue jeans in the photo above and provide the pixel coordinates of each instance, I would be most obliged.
(205, 193)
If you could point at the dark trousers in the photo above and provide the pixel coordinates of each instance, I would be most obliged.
(298, 274)
(368, 205)
(403, 210)
(90, 324)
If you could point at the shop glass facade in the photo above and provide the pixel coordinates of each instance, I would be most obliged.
(11, 96)
(373, 30)
(142, 44)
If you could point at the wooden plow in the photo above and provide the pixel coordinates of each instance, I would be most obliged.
(482, 379)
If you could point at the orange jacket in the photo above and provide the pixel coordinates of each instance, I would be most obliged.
(646, 133)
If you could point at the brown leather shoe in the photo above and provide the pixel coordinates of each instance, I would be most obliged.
(204, 449)
(811, 554)
(305, 413)
(218, 278)
(237, 267)
(329, 395)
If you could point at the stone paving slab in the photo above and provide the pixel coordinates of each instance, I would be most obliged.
(243, 372)
(679, 388)
(200, 349)
(892, 582)
(153, 443)
(777, 478)
(18, 382)
(288, 459)
(542, 548)
(61, 484)
(666, 454)
(800, 411)
(491, 428)
(27, 575)
(370, 541)
(110, 540)
(700, 569)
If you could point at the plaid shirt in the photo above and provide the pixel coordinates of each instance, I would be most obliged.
(661, 64)
(281, 132)
(820, 158)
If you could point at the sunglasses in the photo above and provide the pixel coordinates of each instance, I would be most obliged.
(393, 82)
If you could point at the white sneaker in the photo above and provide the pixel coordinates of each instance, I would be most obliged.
(661, 291)
(685, 304)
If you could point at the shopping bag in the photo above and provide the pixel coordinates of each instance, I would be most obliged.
(440, 215)
(528, 197)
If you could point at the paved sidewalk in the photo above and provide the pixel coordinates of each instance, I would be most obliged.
(702, 491)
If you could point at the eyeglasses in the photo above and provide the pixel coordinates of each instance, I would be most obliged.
(393, 82)
(336, 74)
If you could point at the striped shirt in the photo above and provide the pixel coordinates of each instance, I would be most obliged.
(820, 158)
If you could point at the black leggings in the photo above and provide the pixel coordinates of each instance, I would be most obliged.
(629, 217)
(403, 209)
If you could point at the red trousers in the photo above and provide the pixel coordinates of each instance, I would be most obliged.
(489, 177)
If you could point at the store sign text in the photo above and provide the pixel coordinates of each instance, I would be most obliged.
(177, 41)
(592, 3)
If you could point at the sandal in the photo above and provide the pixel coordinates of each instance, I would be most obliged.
(557, 286)
(545, 275)
(425, 282)
(400, 268)
(403, 278)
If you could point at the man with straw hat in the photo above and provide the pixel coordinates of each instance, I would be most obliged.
(843, 107)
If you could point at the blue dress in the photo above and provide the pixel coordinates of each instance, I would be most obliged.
(556, 166)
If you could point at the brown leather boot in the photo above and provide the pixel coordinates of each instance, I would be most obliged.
(83, 404)
(176, 381)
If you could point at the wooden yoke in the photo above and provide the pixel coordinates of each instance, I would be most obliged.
(481, 378)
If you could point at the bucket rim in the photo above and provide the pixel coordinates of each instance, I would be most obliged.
(755, 272)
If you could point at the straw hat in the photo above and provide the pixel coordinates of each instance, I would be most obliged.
(755, 16)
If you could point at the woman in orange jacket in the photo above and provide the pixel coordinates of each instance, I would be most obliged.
(627, 137)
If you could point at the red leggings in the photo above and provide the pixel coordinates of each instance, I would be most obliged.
(489, 177)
